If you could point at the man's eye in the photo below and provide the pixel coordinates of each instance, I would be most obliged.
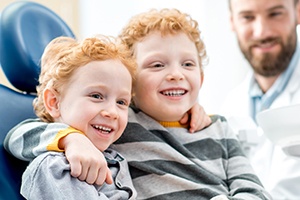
(247, 17)
(275, 14)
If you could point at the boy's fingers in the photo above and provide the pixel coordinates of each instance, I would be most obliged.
(92, 174)
(198, 122)
(75, 168)
(84, 172)
(184, 119)
(104, 175)
(109, 179)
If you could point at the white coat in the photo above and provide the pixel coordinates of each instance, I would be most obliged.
(279, 173)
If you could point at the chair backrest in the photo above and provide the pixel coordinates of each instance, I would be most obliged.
(25, 29)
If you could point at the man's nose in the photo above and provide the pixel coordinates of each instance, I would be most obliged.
(262, 28)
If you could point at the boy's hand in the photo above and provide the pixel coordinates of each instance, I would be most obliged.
(86, 161)
(198, 116)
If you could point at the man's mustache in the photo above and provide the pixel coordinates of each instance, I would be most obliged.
(259, 42)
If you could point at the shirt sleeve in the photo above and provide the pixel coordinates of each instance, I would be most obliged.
(242, 180)
(53, 146)
(33, 137)
(48, 177)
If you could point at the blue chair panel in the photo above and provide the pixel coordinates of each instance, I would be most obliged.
(25, 29)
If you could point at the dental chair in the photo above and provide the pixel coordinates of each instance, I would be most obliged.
(25, 29)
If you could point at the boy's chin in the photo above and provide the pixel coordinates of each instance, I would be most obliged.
(175, 116)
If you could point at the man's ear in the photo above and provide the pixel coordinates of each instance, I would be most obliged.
(51, 102)
(231, 23)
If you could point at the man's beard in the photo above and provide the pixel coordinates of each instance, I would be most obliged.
(269, 64)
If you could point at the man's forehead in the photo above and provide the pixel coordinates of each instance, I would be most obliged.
(240, 6)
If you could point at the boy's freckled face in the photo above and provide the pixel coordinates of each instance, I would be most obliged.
(168, 76)
(96, 100)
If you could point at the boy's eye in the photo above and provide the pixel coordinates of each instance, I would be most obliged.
(157, 65)
(188, 64)
(97, 96)
(122, 102)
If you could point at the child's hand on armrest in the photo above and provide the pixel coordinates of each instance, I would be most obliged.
(86, 161)
(198, 116)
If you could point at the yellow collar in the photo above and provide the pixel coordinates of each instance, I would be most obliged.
(173, 124)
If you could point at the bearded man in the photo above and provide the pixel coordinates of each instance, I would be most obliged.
(267, 36)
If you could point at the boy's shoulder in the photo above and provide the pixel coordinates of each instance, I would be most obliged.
(52, 162)
(49, 157)
(217, 117)
(220, 128)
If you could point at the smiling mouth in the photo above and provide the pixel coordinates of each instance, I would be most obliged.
(102, 129)
(266, 43)
(174, 93)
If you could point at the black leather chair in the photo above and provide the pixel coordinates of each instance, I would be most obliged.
(25, 29)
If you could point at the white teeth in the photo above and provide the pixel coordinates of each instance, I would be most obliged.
(174, 92)
(102, 128)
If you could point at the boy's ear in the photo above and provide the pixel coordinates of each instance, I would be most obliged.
(51, 102)
(201, 78)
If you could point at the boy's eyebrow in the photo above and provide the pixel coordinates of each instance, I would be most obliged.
(95, 86)
(107, 87)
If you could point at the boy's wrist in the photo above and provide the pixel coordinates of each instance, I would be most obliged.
(67, 139)
(61, 139)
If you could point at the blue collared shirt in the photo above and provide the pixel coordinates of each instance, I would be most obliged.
(262, 101)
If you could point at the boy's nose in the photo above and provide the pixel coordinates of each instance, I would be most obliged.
(110, 112)
(175, 75)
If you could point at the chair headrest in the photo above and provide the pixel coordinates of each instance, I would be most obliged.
(25, 29)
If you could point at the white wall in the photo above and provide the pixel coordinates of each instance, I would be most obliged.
(226, 67)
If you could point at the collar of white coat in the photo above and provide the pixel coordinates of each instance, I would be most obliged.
(288, 82)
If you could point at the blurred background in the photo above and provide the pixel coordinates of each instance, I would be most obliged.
(226, 66)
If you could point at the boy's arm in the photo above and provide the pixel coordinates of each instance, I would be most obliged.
(243, 182)
(46, 178)
(33, 137)
(197, 118)
(86, 161)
